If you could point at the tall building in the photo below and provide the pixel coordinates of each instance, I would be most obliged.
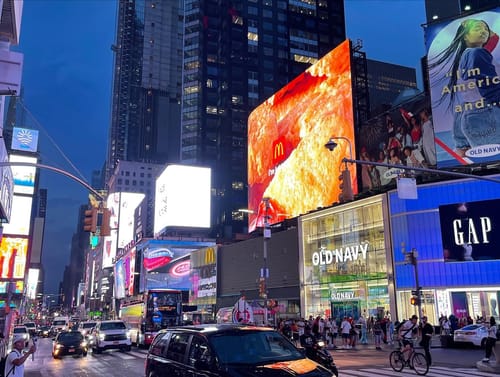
(228, 57)
(389, 84)
(147, 83)
(236, 55)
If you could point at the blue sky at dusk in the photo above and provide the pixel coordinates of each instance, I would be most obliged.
(67, 80)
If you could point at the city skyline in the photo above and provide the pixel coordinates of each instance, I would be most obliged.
(67, 85)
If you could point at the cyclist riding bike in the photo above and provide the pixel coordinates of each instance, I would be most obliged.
(407, 333)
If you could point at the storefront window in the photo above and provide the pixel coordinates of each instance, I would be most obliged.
(345, 263)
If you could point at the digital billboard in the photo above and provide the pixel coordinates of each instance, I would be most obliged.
(19, 223)
(13, 254)
(403, 135)
(24, 139)
(24, 176)
(470, 231)
(33, 274)
(287, 159)
(182, 198)
(203, 276)
(463, 57)
(109, 249)
(122, 206)
(125, 275)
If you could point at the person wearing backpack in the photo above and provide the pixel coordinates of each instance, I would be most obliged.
(491, 339)
(407, 332)
(14, 364)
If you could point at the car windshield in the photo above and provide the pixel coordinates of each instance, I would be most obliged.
(113, 326)
(259, 347)
(88, 325)
(470, 328)
(28, 324)
(19, 330)
(59, 323)
(70, 336)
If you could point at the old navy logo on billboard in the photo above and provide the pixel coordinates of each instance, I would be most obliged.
(470, 231)
(463, 58)
(24, 139)
(340, 255)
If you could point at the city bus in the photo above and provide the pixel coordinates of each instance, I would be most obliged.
(159, 309)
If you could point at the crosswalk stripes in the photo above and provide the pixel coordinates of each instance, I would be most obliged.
(433, 372)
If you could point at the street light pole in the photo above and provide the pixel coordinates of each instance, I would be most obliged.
(264, 273)
(345, 177)
(411, 258)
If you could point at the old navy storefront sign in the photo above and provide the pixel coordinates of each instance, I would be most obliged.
(340, 255)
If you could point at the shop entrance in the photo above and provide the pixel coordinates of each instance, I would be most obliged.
(341, 309)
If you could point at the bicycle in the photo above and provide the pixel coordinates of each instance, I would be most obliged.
(416, 361)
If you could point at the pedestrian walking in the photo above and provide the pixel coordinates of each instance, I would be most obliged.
(377, 334)
(345, 329)
(334, 331)
(362, 323)
(14, 364)
(491, 339)
(390, 331)
(425, 342)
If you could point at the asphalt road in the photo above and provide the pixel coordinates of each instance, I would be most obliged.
(365, 361)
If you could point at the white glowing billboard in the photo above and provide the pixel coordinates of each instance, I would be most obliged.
(182, 198)
(33, 274)
(19, 223)
(24, 176)
(109, 249)
(122, 206)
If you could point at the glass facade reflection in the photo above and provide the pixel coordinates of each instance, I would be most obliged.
(344, 267)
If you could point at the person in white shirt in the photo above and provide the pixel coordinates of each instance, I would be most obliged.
(14, 364)
(345, 328)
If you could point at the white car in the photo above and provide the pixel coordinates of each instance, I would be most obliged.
(24, 331)
(474, 334)
(111, 335)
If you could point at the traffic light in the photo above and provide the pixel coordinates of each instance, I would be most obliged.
(414, 300)
(345, 186)
(90, 220)
(105, 227)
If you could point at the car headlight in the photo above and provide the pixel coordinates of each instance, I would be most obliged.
(102, 336)
(321, 343)
(128, 334)
(83, 344)
(25, 336)
(58, 346)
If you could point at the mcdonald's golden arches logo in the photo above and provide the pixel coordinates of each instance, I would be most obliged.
(278, 151)
(210, 256)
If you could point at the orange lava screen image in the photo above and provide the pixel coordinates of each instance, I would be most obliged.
(288, 162)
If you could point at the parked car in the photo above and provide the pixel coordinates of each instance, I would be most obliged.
(474, 334)
(228, 350)
(69, 343)
(24, 331)
(111, 335)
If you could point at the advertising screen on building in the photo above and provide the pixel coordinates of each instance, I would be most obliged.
(19, 223)
(13, 254)
(463, 57)
(125, 275)
(122, 206)
(203, 276)
(287, 159)
(470, 231)
(109, 249)
(182, 198)
(24, 139)
(24, 176)
(33, 274)
(403, 135)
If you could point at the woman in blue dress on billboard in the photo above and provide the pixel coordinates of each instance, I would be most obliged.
(473, 87)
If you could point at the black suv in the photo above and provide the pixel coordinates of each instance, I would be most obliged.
(227, 350)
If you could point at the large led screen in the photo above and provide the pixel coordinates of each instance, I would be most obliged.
(19, 223)
(463, 57)
(470, 231)
(122, 206)
(287, 159)
(182, 198)
(109, 249)
(24, 176)
(403, 135)
(124, 275)
(13, 254)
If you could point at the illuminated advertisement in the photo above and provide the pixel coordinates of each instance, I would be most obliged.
(203, 276)
(122, 206)
(109, 249)
(6, 185)
(403, 135)
(13, 253)
(287, 159)
(124, 275)
(182, 198)
(19, 223)
(469, 231)
(24, 139)
(33, 274)
(24, 176)
(18, 288)
(167, 264)
(464, 65)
